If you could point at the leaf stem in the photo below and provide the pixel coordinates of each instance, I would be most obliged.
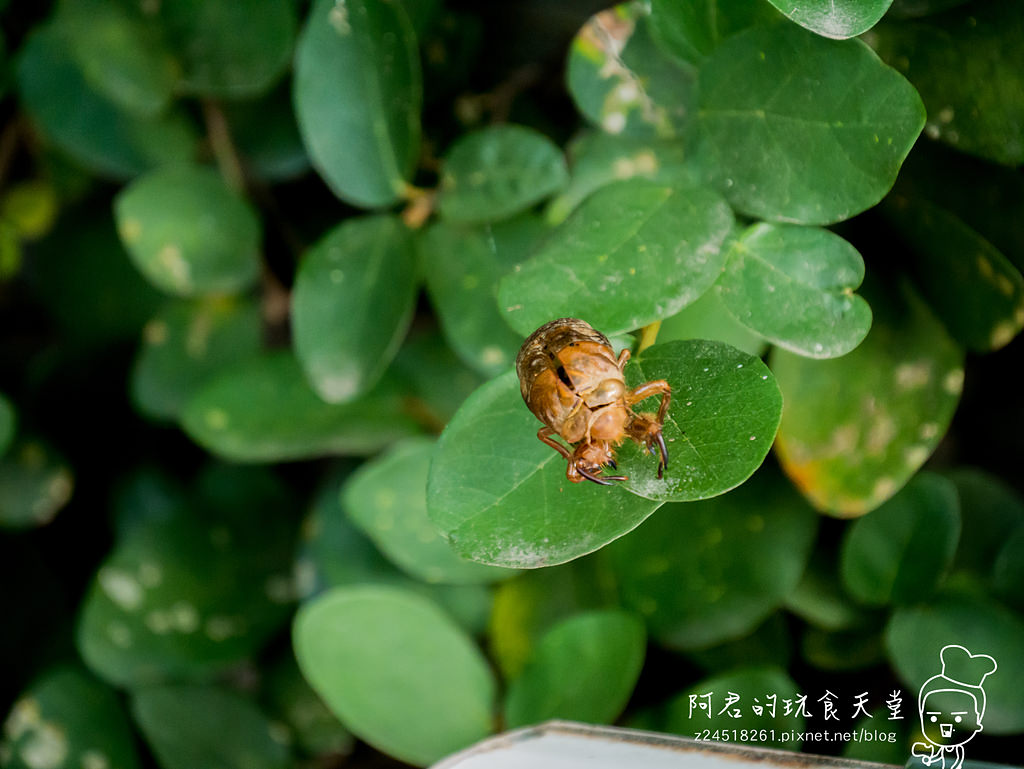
(420, 206)
(648, 335)
(223, 146)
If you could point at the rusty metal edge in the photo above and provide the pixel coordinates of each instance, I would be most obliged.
(666, 742)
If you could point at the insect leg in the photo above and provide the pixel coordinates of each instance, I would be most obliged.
(545, 434)
(623, 358)
(648, 389)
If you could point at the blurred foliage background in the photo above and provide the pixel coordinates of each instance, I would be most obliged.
(255, 256)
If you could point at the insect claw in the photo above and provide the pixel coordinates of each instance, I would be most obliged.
(663, 465)
(594, 478)
(613, 464)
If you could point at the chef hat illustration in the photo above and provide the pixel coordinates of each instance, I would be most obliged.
(960, 670)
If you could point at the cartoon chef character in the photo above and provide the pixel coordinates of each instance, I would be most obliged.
(951, 705)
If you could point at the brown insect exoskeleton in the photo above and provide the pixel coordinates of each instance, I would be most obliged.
(573, 383)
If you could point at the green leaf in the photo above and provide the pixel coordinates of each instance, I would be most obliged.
(144, 495)
(856, 428)
(974, 289)
(94, 132)
(837, 19)
(767, 644)
(992, 508)
(899, 553)
(231, 49)
(267, 136)
(691, 31)
(67, 718)
(354, 297)
(622, 82)
(819, 598)
(706, 572)
(462, 269)
(787, 138)
(185, 345)
(396, 671)
(701, 707)
(598, 159)
(707, 318)
(357, 96)
(721, 422)
(120, 53)
(843, 650)
(968, 65)
(86, 281)
(8, 423)
(501, 497)
(387, 499)
(530, 604)
(632, 253)
(30, 207)
(794, 286)
(315, 729)
(206, 727)
(1008, 569)
(151, 615)
(438, 381)
(497, 172)
(188, 233)
(912, 9)
(335, 553)
(595, 658)
(35, 483)
(262, 410)
(915, 635)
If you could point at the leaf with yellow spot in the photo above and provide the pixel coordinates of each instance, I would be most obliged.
(856, 428)
(187, 343)
(188, 233)
(35, 483)
(51, 726)
(622, 82)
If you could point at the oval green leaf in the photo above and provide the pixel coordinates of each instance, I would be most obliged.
(206, 727)
(188, 233)
(706, 572)
(794, 286)
(976, 291)
(462, 268)
(396, 671)
(690, 31)
(335, 553)
(994, 507)
(263, 410)
(314, 729)
(120, 53)
(387, 499)
(353, 300)
(497, 172)
(622, 82)
(8, 423)
(898, 553)
(856, 428)
(185, 345)
(67, 718)
(915, 636)
(721, 422)
(357, 96)
(598, 159)
(785, 136)
(707, 318)
(632, 253)
(35, 483)
(595, 657)
(968, 65)
(150, 614)
(838, 19)
(217, 59)
(1008, 570)
(93, 131)
(501, 497)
